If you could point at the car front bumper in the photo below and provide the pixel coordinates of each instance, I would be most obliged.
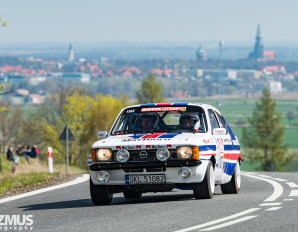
(117, 172)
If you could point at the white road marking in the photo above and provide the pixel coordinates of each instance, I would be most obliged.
(273, 208)
(271, 204)
(278, 189)
(292, 184)
(288, 199)
(229, 223)
(279, 179)
(78, 180)
(264, 176)
(294, 193)
(219, 220)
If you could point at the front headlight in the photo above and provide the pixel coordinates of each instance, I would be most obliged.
(104, 154)
(184, 152)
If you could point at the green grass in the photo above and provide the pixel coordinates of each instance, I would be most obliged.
(240, 109)
(8, 182)
(290, 137)
(35, 176)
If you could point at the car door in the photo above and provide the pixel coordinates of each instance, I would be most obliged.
(219, 144)
(228, 145)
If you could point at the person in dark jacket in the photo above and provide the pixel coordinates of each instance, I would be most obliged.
(10, 156)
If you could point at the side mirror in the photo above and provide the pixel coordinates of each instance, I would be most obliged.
(102, 134)
(219, 131)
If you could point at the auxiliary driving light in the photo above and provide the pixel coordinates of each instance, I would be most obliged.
(103, 177)
(184, 173)
(122, 155)
(162, 154)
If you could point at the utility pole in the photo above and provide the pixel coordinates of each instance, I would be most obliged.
(66, 150)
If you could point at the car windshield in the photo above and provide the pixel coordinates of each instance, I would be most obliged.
(161, 119)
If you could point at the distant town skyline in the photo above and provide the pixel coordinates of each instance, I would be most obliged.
(149, 21)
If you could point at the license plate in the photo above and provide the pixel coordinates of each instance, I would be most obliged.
(145, 179)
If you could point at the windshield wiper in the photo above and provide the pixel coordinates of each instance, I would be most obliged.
(124, 132)
(165, 130)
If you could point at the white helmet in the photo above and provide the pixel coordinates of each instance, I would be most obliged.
(189, 115)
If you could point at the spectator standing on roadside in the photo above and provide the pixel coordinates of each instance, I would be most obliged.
(21, 151)
(34, 152)
(10, 156)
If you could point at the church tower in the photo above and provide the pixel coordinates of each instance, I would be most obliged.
(258, 52)
(201, 54)
(70, 53)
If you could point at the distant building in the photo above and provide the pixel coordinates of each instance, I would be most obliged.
(70, 53)
(258, 52)
(274, 69)
(275, 86)
(269, 55)
(201, 54)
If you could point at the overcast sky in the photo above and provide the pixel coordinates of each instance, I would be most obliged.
(150, 20)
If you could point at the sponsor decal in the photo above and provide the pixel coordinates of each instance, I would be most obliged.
(168, 108)
(16, 222)
(151, 137)
(130, 111)
(129, 147)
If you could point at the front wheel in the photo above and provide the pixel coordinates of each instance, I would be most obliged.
(100, 194)
(233, 186)
(205, 189)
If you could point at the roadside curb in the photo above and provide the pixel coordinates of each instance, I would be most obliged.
(78, 180)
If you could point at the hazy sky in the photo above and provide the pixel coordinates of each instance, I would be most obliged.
(150, 20)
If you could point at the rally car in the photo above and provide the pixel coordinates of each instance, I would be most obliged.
(159, 147)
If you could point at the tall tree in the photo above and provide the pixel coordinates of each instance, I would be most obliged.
(150, 91)
(265, 135)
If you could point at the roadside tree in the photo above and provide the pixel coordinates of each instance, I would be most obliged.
(150, 91)
(264, 137)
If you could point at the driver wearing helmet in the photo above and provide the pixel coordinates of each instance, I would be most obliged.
(189, 121)
(148, 121)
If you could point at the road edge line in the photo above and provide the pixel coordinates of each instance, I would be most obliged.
(278, 189)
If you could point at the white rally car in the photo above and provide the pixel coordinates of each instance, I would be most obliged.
(159, 147)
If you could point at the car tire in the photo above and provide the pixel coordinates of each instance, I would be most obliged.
(100, 194)
(130, 194)
(205, 189)
(233, 186)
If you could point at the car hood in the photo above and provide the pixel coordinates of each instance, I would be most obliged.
(150, 141)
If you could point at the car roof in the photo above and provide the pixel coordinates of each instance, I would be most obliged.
(203, 105)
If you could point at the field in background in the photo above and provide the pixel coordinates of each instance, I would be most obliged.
(235, 110)
(239, 109)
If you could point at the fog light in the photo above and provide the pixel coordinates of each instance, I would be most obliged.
(103, 177)
(184, 173)
(162, 154)
(122, 156)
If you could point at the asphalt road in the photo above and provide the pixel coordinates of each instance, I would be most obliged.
(264, 203)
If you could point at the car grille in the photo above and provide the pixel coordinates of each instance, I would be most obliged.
(151, 155)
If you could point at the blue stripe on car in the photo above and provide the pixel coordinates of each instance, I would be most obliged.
(232, 147)
(145, 105)
(207, 148)
(229, 168)
(169, 136)
(180, 104)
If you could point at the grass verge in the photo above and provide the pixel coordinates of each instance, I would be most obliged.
(8, 182)
(28, 177)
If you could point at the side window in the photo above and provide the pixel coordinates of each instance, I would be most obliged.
(221, 121)
(213, 120)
